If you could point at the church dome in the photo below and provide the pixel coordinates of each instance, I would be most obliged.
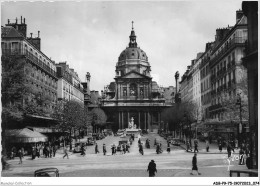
(133, 58)
(133, 53)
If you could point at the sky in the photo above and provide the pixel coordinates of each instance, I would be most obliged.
(90, 35)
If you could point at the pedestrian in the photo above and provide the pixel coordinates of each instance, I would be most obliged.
(168, 147)
(96, 149)
(22, 151)
(33, 152)
(20, 154)
(220, 146)
(124, 148)
(207, 145)
(139, 141)
(104, 149)
(188, 146)
(38, 151)
(241, 156)
(66, 152)
(196, 147)
(127, 147)
(51, 151)
(236, 143)
(151, 168)
(82, 149)
(155, 142)
(113, 149)
(229, 148)
(47, 151)
(141, 150)
(158, 149)
(55, 148)
(194, 164)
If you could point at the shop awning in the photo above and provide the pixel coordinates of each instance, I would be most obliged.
(24, 135)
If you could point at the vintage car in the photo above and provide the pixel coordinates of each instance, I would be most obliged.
(90, 141)
(120, 132)
(47, 172)
(176, 142)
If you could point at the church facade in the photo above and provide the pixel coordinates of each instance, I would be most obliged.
(133, 94)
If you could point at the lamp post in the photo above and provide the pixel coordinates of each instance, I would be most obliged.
(240, 118)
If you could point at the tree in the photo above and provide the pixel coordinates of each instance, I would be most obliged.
(72, 116)
(233, 103)
(98, 117)
(180, 115)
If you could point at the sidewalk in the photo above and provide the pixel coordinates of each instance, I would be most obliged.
(214, 171)
(213, 148)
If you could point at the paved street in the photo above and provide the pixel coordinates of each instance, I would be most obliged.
(176, 163)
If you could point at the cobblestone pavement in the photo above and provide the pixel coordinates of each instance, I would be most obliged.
(133, 164)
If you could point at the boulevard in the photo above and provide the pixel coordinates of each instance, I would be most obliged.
(176, 163)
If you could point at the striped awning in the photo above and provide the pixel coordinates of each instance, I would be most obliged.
(24, 135)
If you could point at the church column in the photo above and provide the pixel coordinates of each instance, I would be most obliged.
(122, 124)
(128, 90)
(119, 120)
(127, 118)
(139, 119)
(145, 120)
(148, 121)
(138, 91)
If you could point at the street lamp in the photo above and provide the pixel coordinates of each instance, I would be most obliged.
(240, 118)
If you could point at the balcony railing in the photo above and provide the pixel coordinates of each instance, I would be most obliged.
(237, 41)
(215, 107)
(31, 57)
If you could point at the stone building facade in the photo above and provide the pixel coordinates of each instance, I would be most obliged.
(133, 94)
(69, 84)
(43, 76)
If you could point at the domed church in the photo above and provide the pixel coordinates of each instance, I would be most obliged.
(133, 95)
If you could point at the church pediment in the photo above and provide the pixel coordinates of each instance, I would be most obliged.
(134, 75)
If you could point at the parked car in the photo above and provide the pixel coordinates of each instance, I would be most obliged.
(176, 142)
(170, 138)
(120, 132)
(77, 148)
(90, 141)
(47, 172)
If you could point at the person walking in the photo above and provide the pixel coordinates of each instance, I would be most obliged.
(22, 150)
(66, 152)
(196, 147)
(127, 147)
(188, 146)
(96, 149)
(207, 145)
(168, 147)
(113, 149)
(220, 146)
(229, 149)
(20, 154)
(55, 148)
(151, 168)
(104, 149)
(33, 152)
(194, 164)
(141, 150)
(124, 148)
(82, 149)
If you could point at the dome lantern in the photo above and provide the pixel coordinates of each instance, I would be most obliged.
(132, 37)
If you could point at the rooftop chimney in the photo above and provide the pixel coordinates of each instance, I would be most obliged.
(31, 34)
(16, 20)
(38, 34)
(24, 20)
(21, 19)
(239, 15)
(8, 21)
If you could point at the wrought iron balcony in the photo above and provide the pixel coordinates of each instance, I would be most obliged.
(35, 60)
